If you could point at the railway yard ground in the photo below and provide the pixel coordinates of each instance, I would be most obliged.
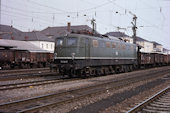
(55, 94)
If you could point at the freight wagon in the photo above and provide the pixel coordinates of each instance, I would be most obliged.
(153, 59)
(10, 58)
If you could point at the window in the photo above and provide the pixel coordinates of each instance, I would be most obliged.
(108, 44)
(51, 46)
(71, 41)
(95, 43)
(113, 45)
(123, 46)
(59, 42)
(42, 45)
(47, 46)
(118, 46)
(102, 44)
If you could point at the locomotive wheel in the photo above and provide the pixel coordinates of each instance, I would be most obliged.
(83, 73)
(98, 72)
(106, 71)
(117, 69)
(72, 73)
(92, 72)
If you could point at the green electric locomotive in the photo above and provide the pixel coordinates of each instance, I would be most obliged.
(84, 55)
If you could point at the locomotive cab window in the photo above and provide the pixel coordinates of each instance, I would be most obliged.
(59, 42)
(71, 41)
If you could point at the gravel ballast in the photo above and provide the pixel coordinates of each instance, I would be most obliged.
(11, 95)
(117, 98)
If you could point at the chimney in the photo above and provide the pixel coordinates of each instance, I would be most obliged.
(68, 26)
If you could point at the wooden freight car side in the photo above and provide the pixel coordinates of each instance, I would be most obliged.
(6, 59)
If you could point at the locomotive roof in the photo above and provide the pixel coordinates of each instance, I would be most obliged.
(95, 37)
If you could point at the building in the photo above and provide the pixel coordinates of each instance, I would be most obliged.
(53, 32)
(35, 37)
(166, 51)
(20, 45)
(157, 47)
(39, 40)
(146, 45)
(5, 29)
(44, 39)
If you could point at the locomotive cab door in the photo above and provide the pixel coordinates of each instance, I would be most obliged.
(87, 50)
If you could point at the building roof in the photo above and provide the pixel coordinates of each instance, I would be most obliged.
(35, 36)
(20, 45)
(5, 29)
(121, 34)
(62, 30)
(141, 39)
(155, 43)
(27, 36)
(117, 34)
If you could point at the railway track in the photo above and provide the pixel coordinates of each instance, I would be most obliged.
(26, 76)
(23, 71)
(39, 103)
(159, 103)
(34, 83)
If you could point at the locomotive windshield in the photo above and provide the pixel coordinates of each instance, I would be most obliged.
(59, 42)
(69, 41)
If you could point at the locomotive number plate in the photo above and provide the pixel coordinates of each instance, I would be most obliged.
(64, 61)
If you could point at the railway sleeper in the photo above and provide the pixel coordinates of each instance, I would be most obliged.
(158, 108)
(159, 105)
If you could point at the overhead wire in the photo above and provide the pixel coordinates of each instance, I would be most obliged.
(156, 26)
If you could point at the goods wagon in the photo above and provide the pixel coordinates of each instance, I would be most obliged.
(159, 58)
(165, 59)
(10, 58)
(147, 59)
(6, 58)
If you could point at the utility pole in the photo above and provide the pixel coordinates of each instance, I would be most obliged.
(93, 25)
(134, 27)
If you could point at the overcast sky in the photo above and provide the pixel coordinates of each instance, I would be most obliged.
(153, 16)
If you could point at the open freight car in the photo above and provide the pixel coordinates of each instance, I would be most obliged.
(10, 58)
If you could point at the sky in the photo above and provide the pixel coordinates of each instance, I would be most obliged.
(153, 16)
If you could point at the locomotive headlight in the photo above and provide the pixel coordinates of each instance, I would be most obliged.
(55, 55)
(73, 55)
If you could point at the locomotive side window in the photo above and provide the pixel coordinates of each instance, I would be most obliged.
(59, 42)
(123, 47)
(119, 46)
(113, 45)
(102, 44)
(72, 41)
(108, 44)
(95, 43)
